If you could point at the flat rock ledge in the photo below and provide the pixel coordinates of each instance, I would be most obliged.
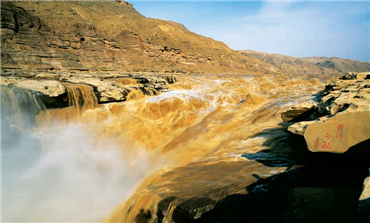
(107, 87)
(341, 119)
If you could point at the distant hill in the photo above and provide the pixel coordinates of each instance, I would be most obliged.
(309, 65)
(339, 64)
(108, 36)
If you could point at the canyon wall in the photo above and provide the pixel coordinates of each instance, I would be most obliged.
(108, 36)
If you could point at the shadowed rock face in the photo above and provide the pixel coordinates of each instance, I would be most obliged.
(297, 114)
(342, 117)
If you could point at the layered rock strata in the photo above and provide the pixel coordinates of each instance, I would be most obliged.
(107, 36)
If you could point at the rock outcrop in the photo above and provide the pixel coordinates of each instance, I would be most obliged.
(50, 88)
(107, 87)
(342, 118)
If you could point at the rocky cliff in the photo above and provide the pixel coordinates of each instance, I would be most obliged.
(108, 36)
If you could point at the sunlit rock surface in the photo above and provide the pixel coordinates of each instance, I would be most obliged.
(342, 118)
(107, 36)
(107, 87)
(366, 192)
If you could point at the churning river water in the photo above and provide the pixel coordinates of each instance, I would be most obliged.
(109, 162)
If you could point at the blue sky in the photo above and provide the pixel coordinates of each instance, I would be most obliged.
(294, 28)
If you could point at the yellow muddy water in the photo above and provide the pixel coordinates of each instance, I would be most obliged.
(81, 98)
(187, 142)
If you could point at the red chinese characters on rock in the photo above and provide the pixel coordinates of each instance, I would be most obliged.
(316, 143)
(327, 136)
(326, 144)
(340, 133)
(340, 127)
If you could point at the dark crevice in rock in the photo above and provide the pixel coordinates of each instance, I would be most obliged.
(16, 25)
(284, 149)
(162, 207)
(192, 209)
(111, 101)
(144, 216)
(297, 114)
(60, 101)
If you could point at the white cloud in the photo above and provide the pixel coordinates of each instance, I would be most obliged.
(299, 29)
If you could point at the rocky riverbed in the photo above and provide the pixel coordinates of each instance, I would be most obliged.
(189, 148)
(110, 116)
(108, 87)
(318, 182)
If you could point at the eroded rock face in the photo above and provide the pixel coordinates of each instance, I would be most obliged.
(342, 119)
(114, 38)
(107, 87)
(117, 87)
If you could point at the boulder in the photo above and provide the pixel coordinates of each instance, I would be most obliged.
(342, 117)
(49, 88)
(336, 134)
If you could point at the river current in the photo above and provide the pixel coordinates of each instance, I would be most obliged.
(115, 162)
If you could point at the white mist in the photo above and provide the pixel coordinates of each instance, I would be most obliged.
(72, 176)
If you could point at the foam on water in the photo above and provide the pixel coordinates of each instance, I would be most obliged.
(184, 95)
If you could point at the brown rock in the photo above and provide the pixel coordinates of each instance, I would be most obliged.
(296, 114)
(339, 133)
(342, 117)
(116, 37)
